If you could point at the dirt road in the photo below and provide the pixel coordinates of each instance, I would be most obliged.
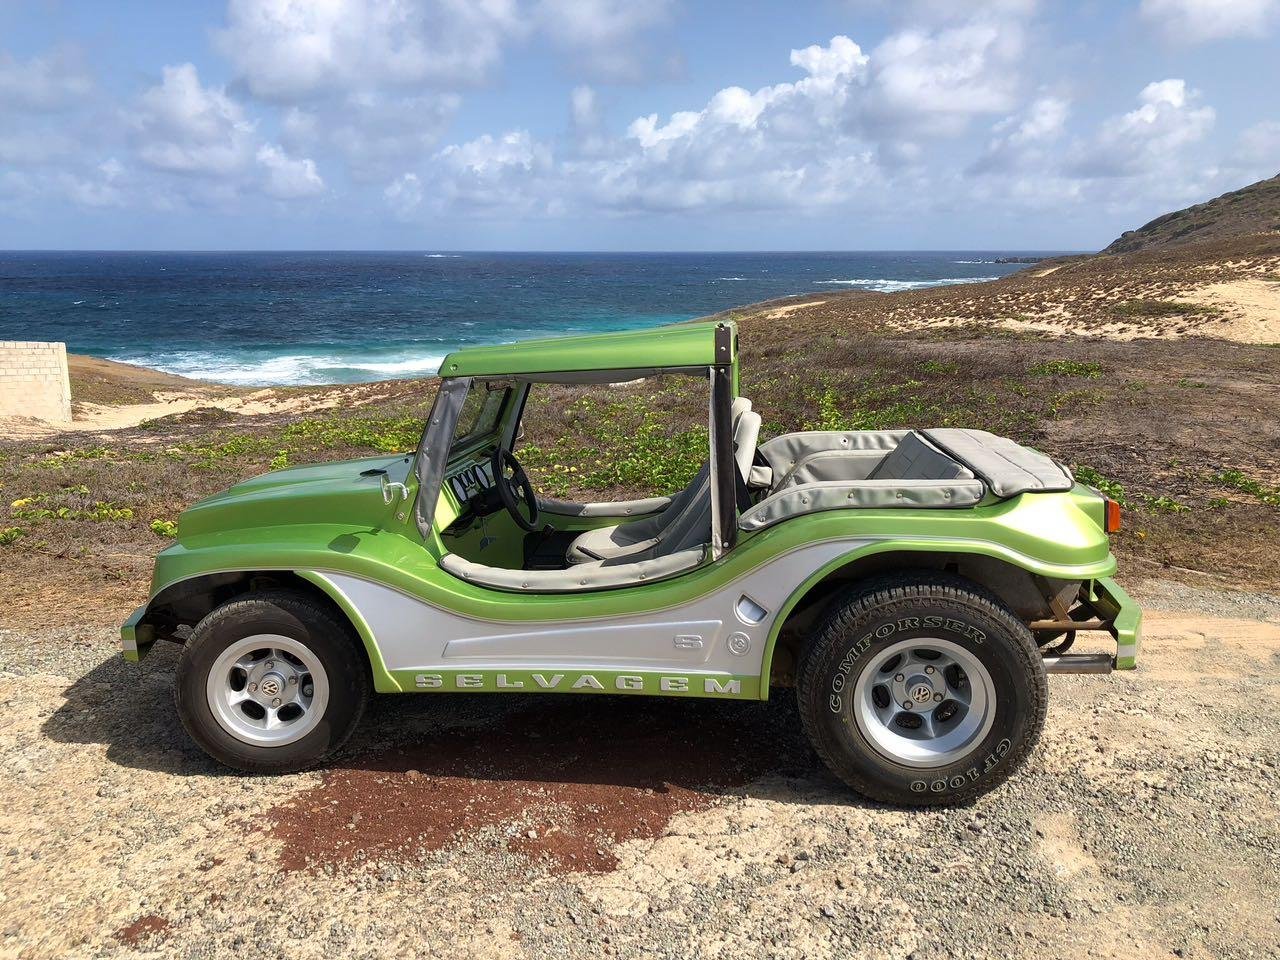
(1145, 825)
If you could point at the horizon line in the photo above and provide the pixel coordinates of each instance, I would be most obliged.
(461, 252)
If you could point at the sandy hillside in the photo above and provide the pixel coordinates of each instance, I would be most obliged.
(108, 396)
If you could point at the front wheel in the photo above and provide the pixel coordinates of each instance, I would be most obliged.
(271, 683)
(922, 689)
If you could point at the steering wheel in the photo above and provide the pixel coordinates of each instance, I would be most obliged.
(502, 462)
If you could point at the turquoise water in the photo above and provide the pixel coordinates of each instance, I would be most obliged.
(294, 318)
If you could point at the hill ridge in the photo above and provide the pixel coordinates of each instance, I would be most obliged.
(1252, 209)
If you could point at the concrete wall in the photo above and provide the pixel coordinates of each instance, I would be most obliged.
(34, 382)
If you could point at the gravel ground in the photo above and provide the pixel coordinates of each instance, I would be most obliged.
(1145, 824)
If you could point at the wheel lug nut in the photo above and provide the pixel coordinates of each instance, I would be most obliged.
(270, 664)
(275, 702)
(906, 704)
(293, 680)
(937, 698)
(900, 678)
(928, 669)
(253, 687)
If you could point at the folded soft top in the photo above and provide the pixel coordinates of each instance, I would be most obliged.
(1006, 467)
(943, 468)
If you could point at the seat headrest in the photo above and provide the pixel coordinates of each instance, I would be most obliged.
(746, 434)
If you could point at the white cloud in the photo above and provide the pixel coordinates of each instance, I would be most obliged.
(1256, 155)
(504, 173)
(1149, 138)
(809, 144)
(934, 83)
(205, 137)
(288, 178)
(404, 195)
(782, 145)
(31, 147)
(378, 135)
(1022, 139)
(50, 82)
(936, 12)
(1143, 158)
(604, 37)
(585, 108)
(102, 188)
(185, 127)
(295, 50)
(1199, 21)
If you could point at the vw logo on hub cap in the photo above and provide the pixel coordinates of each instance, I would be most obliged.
(922, 693)
(270, 686)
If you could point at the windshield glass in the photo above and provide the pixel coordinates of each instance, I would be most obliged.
(481, 411)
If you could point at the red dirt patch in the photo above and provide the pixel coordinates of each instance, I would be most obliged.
(565, 782)
(144, 928)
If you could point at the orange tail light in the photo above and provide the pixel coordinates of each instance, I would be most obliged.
(1113, 516)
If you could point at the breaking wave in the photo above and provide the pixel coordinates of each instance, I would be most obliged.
(289, 370)
(893, 286)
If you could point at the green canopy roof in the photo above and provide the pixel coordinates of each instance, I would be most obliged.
(674, 346)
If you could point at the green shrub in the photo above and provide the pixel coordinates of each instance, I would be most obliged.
(939, 366)
(164, 528)
(1162, 308)
(1068, 368)
(1109, 488)
(1237, 480)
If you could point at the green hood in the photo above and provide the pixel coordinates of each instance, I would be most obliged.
(320, 493)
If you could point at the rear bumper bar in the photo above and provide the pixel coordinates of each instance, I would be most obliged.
(137, 637)
(1102, 606)
(1124, 617)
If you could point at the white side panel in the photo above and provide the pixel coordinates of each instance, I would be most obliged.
(715, 632)
(598, 643)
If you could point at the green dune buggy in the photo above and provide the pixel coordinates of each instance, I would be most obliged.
(914, 586)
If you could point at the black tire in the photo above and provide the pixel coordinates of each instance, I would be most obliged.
(304, 620)
(884, 611)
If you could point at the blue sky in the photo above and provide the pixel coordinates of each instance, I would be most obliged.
(625, 124)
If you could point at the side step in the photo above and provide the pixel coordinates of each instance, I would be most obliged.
(1078, 663)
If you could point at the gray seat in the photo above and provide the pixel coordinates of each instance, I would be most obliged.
(684, 524)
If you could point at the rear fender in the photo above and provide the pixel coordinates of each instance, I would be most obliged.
(1006, 573)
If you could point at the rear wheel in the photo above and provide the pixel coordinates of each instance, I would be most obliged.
(922, 689)
(271, 683)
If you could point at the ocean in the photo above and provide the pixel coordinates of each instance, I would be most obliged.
(300, 318)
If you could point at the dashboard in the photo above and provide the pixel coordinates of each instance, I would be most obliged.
(469, 480)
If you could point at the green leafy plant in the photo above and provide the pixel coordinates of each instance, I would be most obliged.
(1238, 480)
(1164, 505)
(164, 528)
(1089, 369)
(99, 512)
(10, 535)
(1109, 488)
(939, 366)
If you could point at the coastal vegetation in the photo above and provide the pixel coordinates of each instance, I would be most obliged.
(1107, 364)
